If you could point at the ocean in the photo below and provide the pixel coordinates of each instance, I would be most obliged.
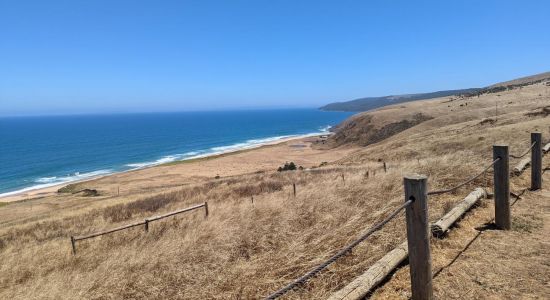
(37, 152)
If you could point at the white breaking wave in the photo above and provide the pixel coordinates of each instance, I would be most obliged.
(46, 179)
(249, 144)
(163, 160)
(72, 177)
(54, 180)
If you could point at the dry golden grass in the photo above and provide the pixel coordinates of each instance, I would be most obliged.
(490, 264)
(246, 250)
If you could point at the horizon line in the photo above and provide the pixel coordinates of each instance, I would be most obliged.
(139, 112)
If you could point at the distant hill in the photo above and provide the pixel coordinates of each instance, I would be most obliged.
(375, 125)
(512, 84)
(524, 80)
(368, 103)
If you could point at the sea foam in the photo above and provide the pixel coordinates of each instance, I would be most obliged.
(45, 182)
(48, 181)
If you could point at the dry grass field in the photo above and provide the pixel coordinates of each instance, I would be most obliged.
(246, 250)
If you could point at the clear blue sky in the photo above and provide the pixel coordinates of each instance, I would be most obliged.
(128, 56)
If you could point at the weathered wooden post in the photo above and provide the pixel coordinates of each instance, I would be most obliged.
(385, 168)
(501, 187)
(418, 237)
(252, 199)
(343, 178)
(206, 209)
(73, 244)
(146, 225)
(536, 161)
(294, 188)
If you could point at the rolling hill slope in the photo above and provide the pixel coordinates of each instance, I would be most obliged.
(247, 249)
(368, 103)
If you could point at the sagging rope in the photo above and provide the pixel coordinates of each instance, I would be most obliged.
(438, 192)
(524, 153)
(340, 253)
(518, 196)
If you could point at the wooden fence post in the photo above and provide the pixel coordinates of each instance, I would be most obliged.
(536, 161)
(73, 244)
(385, 168)
(146, 225)
(418, 237)
(502, 187)
(206, 209)
(294, 188)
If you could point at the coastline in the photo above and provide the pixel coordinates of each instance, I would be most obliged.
(41, 190)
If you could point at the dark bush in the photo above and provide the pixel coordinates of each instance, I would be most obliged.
(289, 166)
(89, 193)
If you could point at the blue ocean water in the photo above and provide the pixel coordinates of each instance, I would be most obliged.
(37, 152)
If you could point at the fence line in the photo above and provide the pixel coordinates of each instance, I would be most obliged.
(524, 153)
(416, 206)
(340, 253)
(85, 237)
(421, 275)
(438, 192)
(145, 222)
(536, 161)
(205, 205)
(443, 191)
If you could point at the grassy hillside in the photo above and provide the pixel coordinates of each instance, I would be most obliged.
(246, 250)
(368, 103)
(373, 126)
(524, 80)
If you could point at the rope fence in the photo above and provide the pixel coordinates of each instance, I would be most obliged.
(417, 222)
(340, 253)
(145, 222)
(524, 153)
(439, 192)
(444, 191)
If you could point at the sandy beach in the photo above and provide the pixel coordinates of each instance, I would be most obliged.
(267, 157)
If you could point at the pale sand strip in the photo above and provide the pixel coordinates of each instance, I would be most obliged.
(261, 158)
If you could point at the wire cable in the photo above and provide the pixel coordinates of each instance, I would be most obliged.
(340, 253)
(524, 153)
(438, 192)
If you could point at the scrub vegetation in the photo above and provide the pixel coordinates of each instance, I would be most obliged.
(247, 249)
